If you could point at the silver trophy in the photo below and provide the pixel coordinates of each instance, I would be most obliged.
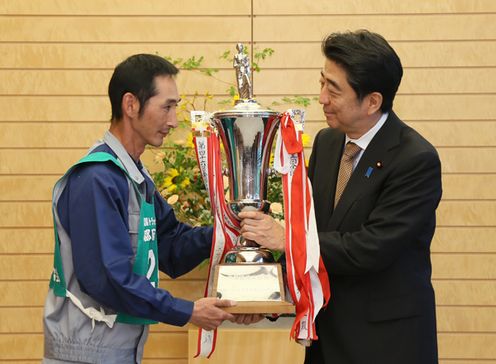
(247, 132)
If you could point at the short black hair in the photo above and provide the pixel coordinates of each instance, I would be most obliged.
(136, 75)
(371, 64)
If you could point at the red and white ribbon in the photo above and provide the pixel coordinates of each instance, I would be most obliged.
(308, 281)
(226, 228)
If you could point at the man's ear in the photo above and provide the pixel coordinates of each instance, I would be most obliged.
(130, 105)
(374, 102)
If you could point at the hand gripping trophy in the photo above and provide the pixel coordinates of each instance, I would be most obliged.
(240, 269)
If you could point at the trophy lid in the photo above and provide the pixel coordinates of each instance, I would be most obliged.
(246, 108)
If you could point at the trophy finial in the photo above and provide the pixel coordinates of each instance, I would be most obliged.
(241, 64)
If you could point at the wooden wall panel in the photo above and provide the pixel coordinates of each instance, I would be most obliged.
(38, 161)
(104, 55)
(415, 81)
(124, 7)
(21, 320)
(25, 346)
(416, 107)
(55, 60)
(51, 108)
(458, 133)
(465, 292)
(466, 346)
(23, 240)
(458, 361)
(93, 82)
(469, 186)
(167, 345)
(463, 266)
(124, 29)
(262, 7)
(468, 53)
(27, 188)
(51, 135)
(468, 160)
(466, 213)
(466, 319)
(421, 27)
(464, 239)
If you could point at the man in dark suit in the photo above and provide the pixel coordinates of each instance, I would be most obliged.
(375, 237)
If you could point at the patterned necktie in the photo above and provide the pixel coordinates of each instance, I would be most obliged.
(345, 168)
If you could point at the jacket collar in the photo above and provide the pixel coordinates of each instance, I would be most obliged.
(122, 154)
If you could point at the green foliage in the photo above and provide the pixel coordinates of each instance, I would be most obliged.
(296, 100)
(260, 56)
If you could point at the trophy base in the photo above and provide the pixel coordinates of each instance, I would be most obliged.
(257, 288)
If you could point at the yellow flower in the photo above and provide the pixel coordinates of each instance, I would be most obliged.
(172, 188)
(189, 141)
(172, 172)
(185, 183)
(167, 182)
(306, 140)
(235, 98)
(169, 178)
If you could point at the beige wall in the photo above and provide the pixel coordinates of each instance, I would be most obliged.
(56, 57)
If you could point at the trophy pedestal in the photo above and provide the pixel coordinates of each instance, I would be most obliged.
(257, 288)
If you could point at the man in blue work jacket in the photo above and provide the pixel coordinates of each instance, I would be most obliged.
(113, 230)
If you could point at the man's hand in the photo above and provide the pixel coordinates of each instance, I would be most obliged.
(262, 229)
(247, 319)
(207, 312)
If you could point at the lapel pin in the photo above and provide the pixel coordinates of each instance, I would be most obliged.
(369, 172)
(378, 164)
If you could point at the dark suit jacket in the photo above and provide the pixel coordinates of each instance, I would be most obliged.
(376, 247)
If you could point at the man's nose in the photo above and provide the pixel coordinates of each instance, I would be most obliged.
(173, 122)
(324, 96)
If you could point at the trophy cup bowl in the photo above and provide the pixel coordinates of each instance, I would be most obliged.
(247, 133)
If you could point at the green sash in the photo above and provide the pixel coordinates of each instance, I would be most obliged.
(146, 260)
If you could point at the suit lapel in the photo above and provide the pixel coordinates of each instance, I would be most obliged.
(379, 152)
(329, 150)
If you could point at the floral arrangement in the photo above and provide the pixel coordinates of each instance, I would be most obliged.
(180, 181)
